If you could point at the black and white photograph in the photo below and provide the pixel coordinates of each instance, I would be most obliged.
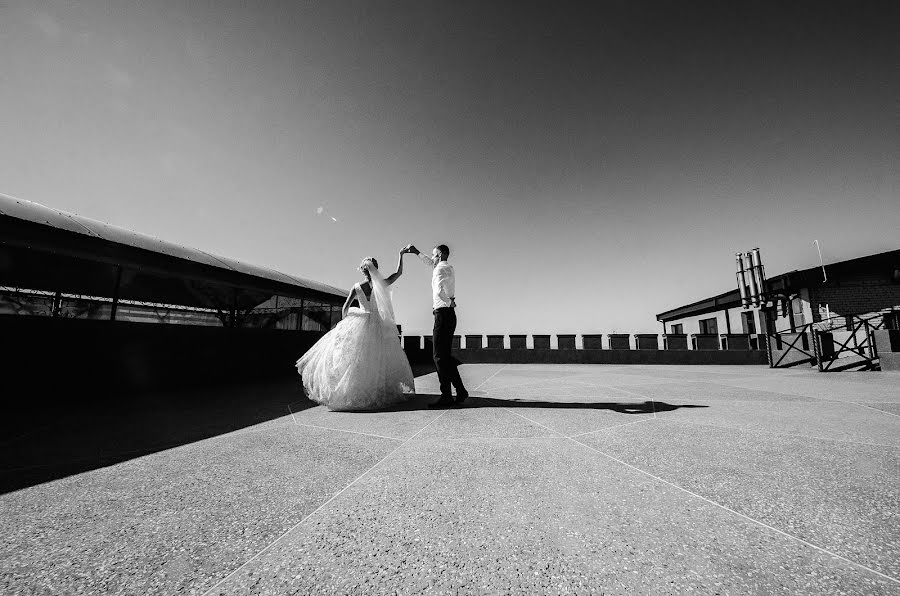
(364, 297)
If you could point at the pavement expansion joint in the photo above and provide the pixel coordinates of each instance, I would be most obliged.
(600, 430)
(496, 372)
(320, 507)
(475, 438)
(716, 504)
(346, 430)
(877, 409)
(535, 382)
(741, 515)
(834, 401)
(774, 432)
(534, 422)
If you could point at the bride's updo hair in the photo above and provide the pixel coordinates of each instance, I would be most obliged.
(366, 261)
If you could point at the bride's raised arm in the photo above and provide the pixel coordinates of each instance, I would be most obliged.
(396, 275)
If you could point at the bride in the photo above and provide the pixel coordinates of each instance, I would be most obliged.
(359, 365)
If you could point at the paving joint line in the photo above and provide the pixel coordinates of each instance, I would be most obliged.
(775, 432)
(292, 413)
(526, 383)
(711, 502)
(600, 430)
(642, 396)
(534, 422)
(581, 434)
(653, 405)
(496, 372)
(346, 430)
(877, 409)
(725, 384)
(648, 398)
(320, 507)
(479, 438)
(739, 514)
(835, 401)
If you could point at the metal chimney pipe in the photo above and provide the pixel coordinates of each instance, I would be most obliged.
(754, 289)
(742, 280)
(758, 274)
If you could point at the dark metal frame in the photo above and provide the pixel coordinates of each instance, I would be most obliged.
(824, 359)
(774, 339)
(865, 350)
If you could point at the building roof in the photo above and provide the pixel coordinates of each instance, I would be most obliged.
(27, 227)
(858, 268)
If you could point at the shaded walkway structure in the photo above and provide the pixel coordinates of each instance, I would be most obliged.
(587, 479)
(97, 320)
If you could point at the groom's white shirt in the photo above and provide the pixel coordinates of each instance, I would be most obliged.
(443, 283)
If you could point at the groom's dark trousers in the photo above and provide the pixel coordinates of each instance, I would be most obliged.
(442, 339)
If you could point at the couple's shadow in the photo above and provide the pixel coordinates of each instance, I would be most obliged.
(422, 401)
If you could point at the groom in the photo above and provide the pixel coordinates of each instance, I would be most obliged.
(443, 289)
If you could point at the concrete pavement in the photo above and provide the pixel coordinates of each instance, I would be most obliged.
(560, 479)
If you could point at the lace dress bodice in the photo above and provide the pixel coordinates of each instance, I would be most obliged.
(364, 302)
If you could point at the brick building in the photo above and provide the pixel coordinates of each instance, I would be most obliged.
(854, 287)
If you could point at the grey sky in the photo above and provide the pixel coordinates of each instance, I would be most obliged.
(589, 167)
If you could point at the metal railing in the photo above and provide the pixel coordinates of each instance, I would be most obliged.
(847, 338)
(791, 348)
(296, 315)
(841, 342)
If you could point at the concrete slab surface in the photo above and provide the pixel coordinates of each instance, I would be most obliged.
(567, 479)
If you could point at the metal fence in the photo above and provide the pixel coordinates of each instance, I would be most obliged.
(837, 343)
(279, 312)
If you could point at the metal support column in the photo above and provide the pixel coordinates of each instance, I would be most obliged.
(790, 305)
(817, 347)
(115, 302)
(234, 309)
(767, 328)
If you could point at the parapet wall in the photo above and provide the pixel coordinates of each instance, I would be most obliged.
(615, 349)
(55, 364)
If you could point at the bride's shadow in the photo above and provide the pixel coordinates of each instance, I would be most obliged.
(422, 401)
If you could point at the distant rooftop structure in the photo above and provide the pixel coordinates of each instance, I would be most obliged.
(878, 269)
(862, 286)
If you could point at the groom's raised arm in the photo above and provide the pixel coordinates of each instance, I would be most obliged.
(423, 258)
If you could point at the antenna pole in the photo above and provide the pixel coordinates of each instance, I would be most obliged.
(821, 264)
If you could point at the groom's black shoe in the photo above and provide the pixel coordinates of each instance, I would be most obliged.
(461, 396)
(445, 402)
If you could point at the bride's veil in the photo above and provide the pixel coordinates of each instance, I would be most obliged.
(381, 295)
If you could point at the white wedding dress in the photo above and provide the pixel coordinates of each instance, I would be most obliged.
(359, 365)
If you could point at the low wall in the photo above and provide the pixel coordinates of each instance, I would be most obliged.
(608, 357)
(544, 355)
(56, 362)
(887, 343)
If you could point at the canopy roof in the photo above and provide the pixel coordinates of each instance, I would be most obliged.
(48, 249)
